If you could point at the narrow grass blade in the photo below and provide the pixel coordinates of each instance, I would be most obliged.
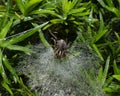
(112, 89)
(44, 11)
(118, 37)
(66, 7)
(97, 51)
(108, 82)
(102, 30)
(78, 10)
(115, 68)
(117, 50)
(2, 71)
(100, 74)
(56, 21)
(3, 20)
(117, 77)
(102, 3)
(110, 44)
(101, 23)
(114, 10)
(5, 82)
(24, 35)
(119, 2)
(30, 5)
(21, 5)
(47, 26)
(5, 30)
(82, 14)
(16, 78)
(89, 32)
(44, 41)
(105, 72)
(20, 48)
(110, 3)
(7, 88)
(27, 91)
(110, 7)
(11, 69)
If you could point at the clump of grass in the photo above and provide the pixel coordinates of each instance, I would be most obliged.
(73, 20)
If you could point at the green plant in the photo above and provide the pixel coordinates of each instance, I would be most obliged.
(112, 86)
(67, 18)
(7, 22)
(70, 13)
(111, 6)
(100, 40)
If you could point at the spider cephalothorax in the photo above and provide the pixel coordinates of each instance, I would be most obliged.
(60, 48)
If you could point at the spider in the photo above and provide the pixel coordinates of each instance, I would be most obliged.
(60, 48)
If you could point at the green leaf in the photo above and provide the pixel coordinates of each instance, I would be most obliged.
(110, 7)
(23, 36)
(97, 51)
(7, 88)
(82, 14)
(108, 89)
(47, 26)
(102, 3)
(56, 21)
(114, 10)
(21, 6)
(101, 30)
(100, 74)
(89, 32)
(43, 11)
(117, 77)
(110, 3)
(78, 10)
(44, 41)
(105, 70)
(118, 37)
(5, 30)
(11, 69)
(108, 81)
(4, 20)
(27, 91)
(113, 87)
(20, 48)
(115, 68)
(66, 7)
(110, 44)
(117, 51)
(2, 71)
(29, 6)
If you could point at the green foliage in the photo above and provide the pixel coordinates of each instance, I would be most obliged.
(110, 6)
(69, 12)
(88, 18)
(6, 22)
(102, 75)
(99, 35)
(26, 6)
